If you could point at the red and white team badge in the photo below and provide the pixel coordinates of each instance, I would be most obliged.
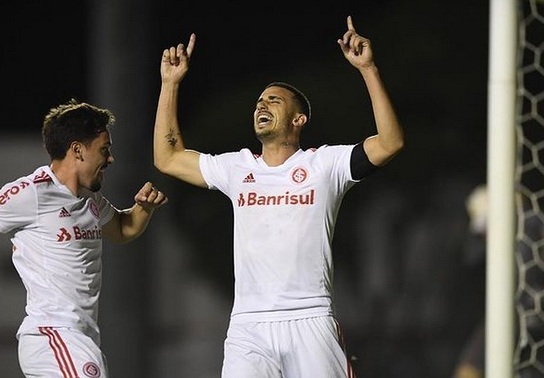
(91, 370)
(94, 209)
(299, 175)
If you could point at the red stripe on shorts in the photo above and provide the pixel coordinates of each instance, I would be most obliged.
(65, 348)
(62, 355)
(340, 334)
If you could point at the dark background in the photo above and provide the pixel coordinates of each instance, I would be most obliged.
(406, 296)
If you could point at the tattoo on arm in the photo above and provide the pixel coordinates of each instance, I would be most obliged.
(172, 138)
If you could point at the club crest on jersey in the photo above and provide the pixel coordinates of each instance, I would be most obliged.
(91, 370)
(78, 233)
(299, 175)
(94, 209)
(254, 199)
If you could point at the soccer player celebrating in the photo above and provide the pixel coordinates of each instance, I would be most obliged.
(58, 218)
(285, 203)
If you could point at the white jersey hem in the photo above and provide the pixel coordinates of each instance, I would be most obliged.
(278, 316)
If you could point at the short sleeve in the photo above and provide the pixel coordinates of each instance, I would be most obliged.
(18, 205)
(337, 158)
(106, 209)
(216, 168)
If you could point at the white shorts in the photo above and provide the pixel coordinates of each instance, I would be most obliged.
(60, 353)
(303, 348)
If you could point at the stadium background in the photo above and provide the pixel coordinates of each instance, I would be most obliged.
(406, 295)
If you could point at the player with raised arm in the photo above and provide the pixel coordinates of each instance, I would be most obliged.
(58, 217)
(285, 203)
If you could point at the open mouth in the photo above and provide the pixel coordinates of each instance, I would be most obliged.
(264, 118)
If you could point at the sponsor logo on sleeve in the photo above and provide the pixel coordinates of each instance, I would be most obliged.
(12, 191)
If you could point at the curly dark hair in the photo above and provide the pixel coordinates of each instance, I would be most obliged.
(71, 122)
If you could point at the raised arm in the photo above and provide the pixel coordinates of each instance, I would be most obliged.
(389, 140)
(169, 153)
(128, 224)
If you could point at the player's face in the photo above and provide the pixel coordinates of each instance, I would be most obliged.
(274, 113)
(96, 158)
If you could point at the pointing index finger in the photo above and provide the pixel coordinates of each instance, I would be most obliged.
(191, 44)
(350, 24)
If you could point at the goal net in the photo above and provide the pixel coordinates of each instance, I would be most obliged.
(529, 351)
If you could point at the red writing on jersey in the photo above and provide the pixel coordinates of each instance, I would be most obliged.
(79, 234)
(92, 234)
(13, 191)
(254, 199)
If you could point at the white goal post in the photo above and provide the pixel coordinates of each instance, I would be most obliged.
(515, 176)
(500, 181)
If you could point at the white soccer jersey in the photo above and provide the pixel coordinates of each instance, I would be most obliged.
(57, 248)
(284, 221)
